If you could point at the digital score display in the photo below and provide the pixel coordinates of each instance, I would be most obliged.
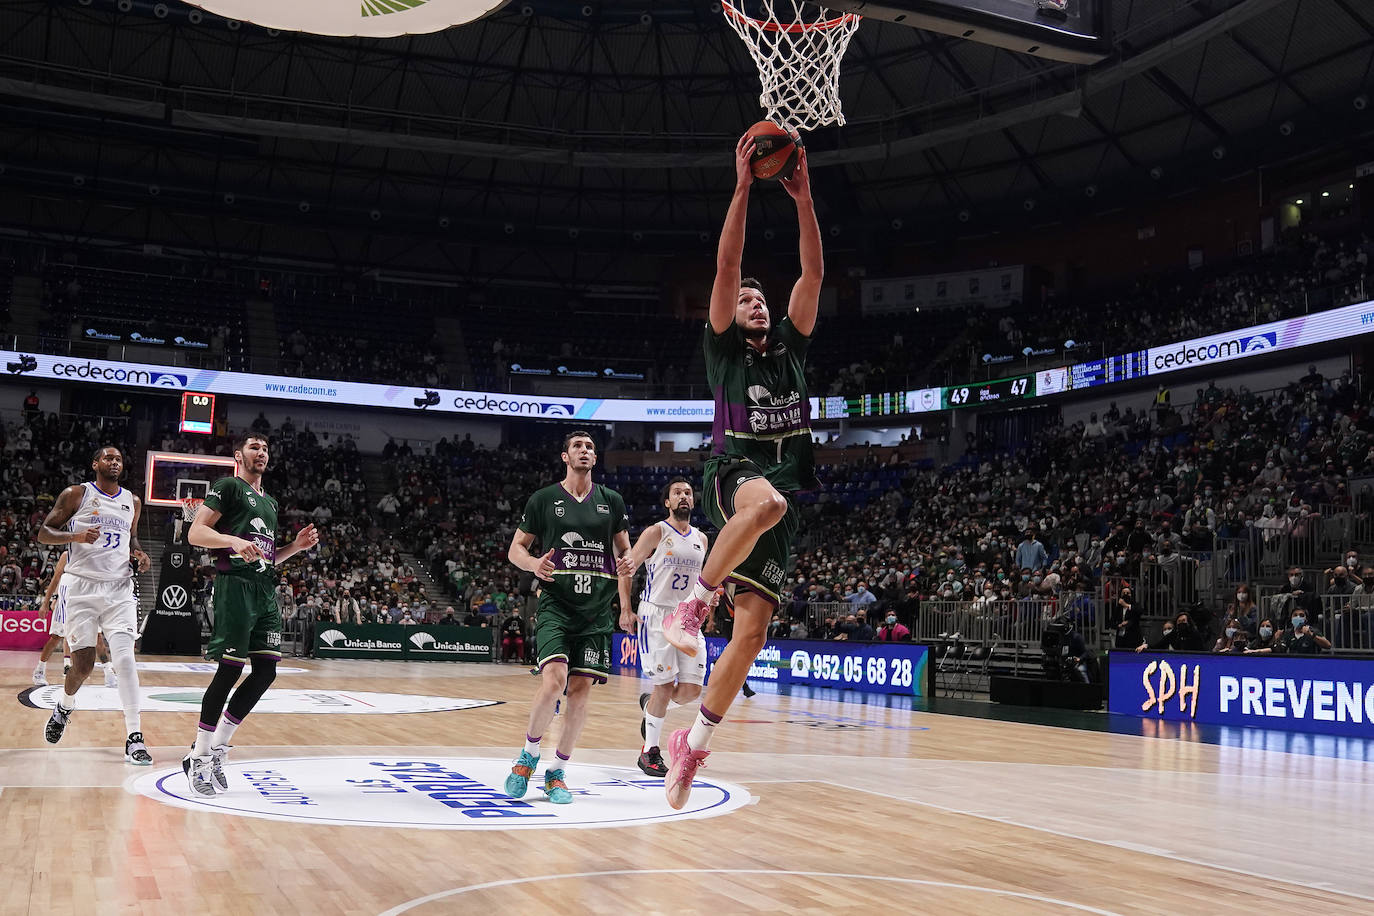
(996, 392)
(884, 404)
(1120, 368)
(197, 413)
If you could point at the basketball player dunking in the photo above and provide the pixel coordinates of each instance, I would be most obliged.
(98, 522)
(582, 529)
(675, 552)
(762, 456)
(238, 523)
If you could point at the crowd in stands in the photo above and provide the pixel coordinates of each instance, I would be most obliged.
(41, 453)
(1095, 512)
(1304, 273)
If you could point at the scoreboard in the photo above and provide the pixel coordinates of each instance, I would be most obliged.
(995, 392)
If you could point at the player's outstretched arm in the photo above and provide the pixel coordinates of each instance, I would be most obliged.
(806, 293)
(730, 251)
(54, 530)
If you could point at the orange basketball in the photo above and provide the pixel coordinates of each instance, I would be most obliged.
(775, 151)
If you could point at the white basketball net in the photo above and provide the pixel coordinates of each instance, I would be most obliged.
(797, 47)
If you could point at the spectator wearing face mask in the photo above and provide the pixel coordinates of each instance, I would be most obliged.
(862, 597)
(777, 628)
(1247, 611)
(1031, 554)
(863, 630)
(1127, 618)
(1300, 637)
(1300, 594)
(1231, 633)
(1265, 639)
(892, 631)
(1338, 582)
(1183, 636)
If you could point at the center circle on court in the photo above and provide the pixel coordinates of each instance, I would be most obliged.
(435, 793)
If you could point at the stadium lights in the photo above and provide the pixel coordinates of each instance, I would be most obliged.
(1298, 201)
(1326, 193)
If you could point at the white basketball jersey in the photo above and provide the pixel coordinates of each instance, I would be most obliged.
(107, 558)
(673, 569)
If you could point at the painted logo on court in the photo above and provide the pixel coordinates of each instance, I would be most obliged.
(435, 793)
(182, 699)
(202, 668)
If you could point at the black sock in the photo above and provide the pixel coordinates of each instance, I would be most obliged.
(212, 705)
(254, 686)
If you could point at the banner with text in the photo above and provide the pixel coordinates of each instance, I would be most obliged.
(1294, 693)
(876, 667)
(405, 643)
(23, 629)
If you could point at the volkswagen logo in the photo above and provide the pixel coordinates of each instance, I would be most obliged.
(174, 597)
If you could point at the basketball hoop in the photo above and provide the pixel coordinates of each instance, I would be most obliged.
(797, 47)
(189, 507)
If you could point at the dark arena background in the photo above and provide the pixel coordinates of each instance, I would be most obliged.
(1076, 616)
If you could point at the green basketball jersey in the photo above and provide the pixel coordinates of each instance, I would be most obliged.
(762, 410)
(581, 534)
(244, 513)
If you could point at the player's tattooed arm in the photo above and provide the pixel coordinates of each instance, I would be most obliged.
(54, 526)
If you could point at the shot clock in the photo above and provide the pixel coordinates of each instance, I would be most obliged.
(197, 412)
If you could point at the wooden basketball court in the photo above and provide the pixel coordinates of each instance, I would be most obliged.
(833, 806)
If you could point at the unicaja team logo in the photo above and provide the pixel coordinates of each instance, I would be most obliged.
(422, 640)
(331, 637)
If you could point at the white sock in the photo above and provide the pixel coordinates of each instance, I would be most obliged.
(68, 701)
(673, 704)
(653, 727)
(702, 729)
(224, 731)
(203, 738)
(122, 663)
(41, 668)
(703, 592)
(532, 745)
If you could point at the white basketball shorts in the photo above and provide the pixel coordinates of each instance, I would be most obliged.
(57, 620)
(93, 605)
(660, 661)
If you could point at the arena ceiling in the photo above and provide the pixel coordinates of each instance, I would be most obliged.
(607, 126)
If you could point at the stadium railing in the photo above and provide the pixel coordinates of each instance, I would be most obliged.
(20, 601)
(1349, 623)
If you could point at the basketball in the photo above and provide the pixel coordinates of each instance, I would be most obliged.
(775, 151)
